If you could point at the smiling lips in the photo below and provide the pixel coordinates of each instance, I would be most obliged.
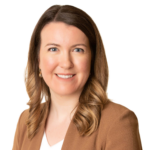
(65, 76)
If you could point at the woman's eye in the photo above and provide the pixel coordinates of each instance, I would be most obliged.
(80, 49)
(53, 49)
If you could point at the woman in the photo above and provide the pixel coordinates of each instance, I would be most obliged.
(67, 65)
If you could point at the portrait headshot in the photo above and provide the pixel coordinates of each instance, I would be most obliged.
(74, 98)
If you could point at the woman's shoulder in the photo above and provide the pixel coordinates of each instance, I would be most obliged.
(24, 115)
(112, 110)
(116, 106)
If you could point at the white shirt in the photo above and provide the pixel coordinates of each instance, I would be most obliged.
(46, 146)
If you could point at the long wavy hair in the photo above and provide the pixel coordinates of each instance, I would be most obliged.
(93, 97)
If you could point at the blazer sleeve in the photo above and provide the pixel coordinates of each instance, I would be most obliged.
(124, 133)
(17, 134)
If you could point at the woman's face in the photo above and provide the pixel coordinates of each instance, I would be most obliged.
(64, 58)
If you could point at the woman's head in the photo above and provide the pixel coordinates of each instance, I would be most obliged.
(70, 15)
(75, 27)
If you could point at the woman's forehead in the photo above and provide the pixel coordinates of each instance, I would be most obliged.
(60, 32)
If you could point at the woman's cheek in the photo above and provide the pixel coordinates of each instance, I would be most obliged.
(48, 64)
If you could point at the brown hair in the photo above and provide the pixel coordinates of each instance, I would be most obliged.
(93, 96)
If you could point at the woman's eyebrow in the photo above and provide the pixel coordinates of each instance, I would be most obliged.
(60, 46)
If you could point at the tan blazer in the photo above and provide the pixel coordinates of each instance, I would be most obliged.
(118, 130)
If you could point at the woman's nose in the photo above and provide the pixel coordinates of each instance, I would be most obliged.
(65, 60)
